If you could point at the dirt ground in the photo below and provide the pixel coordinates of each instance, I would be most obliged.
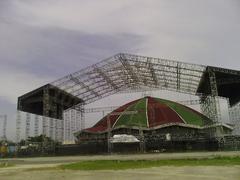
(24, 168)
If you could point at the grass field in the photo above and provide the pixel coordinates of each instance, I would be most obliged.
(136, 164)
(180, 166)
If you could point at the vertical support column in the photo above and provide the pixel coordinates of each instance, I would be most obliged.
(18, 126)
(109, 144)
(4, 127)
(82, 116)
(56, 128)
(44, 125)
(61, 131)
(142, 140)
(28, 119)
(214, 92)
(46, 108)
(66, 126)
(53, 104)
(208, 107)
(51, 126)
(210, 104)
(230, 112)
(78, 120)
(36, 125)
(73, 124)
(178, 76)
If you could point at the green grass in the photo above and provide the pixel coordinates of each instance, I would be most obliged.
(136, 164)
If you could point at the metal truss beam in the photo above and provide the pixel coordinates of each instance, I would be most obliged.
(112, 108)
(77, 81)
(123, 72)
(105, 77)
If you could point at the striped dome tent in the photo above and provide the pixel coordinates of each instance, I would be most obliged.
(151, 113)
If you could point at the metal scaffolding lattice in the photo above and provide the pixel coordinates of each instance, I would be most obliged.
(36, 125)
(28, 119)
(53, 128)
(124, 72)
(44, 125)
(234, 115)
(132, 73)
(4, 126)
(211, 108)
(73, 122)
(18, 126)
(66, 126)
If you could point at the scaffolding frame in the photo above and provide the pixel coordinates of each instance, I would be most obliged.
(4, 127)
(234, 116)
(124, 72)
(18, 126)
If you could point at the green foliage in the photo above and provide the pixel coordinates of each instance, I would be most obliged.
(41, 138)
(136, 164)
(38, 145)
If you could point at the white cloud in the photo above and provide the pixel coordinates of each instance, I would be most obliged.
(203, 30)
(15, 83)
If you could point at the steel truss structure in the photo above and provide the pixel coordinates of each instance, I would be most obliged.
(130, 73)
(125, 72)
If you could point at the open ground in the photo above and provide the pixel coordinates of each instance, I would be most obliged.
(48, 168)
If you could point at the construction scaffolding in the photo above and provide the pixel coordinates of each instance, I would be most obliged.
(36, 125)
(18, 126)
(128, 72)
(4, 126)
(51, 127)
(131, 73)
(234, 114)
(28, 125)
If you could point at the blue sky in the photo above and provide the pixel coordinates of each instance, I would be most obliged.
(41, 41)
